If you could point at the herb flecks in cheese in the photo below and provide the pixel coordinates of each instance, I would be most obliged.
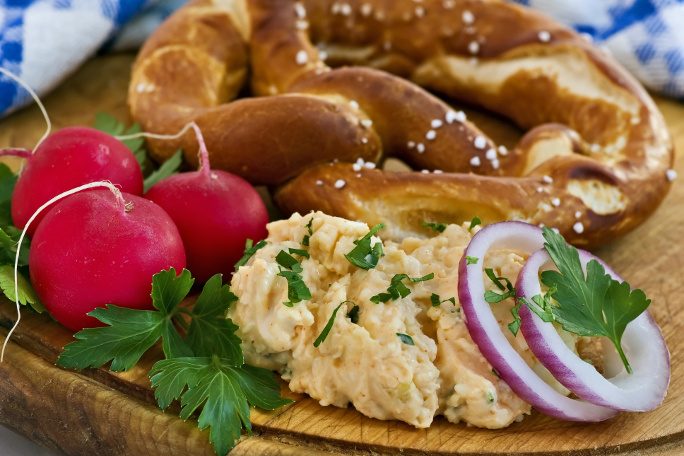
(361, 359)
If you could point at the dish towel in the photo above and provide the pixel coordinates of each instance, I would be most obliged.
(645, 36)
(44, 41)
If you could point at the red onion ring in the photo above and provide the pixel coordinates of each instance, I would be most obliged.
(642, 341)
(487, 334)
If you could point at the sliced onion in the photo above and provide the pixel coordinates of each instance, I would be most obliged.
(642, 342)
(487, 334)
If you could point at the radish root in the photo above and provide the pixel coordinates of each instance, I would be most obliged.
(37, 100)
(144, 134)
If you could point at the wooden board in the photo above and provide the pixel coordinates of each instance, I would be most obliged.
(96, 412)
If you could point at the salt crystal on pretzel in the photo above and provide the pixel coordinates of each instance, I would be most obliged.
(595, 140)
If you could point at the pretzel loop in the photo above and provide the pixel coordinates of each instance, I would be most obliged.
(594, 163)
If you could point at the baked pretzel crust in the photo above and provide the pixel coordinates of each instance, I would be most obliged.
(338, 85)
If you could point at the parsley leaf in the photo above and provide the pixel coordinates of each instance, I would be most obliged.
(596, 305)
(286, 260)
(307, 237)
(363, 255)
(493, 297)
(439, 227)
(541, 305)
(297, 290)
(397, 289)
(405, 338)
(131, 332)
(436, 300)
(300, 252)
(471, 259)
(205, 369)
(353, 314)
(249, 252)
(474, 222)
(324, 334)
(223, 390)
(208, 332)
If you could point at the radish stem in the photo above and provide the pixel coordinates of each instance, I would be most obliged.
(203, 152)
(16, 152)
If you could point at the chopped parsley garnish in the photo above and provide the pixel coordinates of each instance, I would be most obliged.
(300, 252)
(324, 334)
(493, 297)
(474, 222)
(397, 289)
(440, 227)
(203, 370)
(543, 310)
(305, 240)
(405, 338)
(471, 259)
(249, 251)
(596, 305)
(286, 260)
(353, 314)
(363, 255)
(297, 290)
(436, 300)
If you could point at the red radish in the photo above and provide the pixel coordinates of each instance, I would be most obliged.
(215, 211)
(101, 247)
(66, 159)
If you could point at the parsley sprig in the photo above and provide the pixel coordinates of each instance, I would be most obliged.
(205, 369)
(331, 321)
(297, 290)
(595, 305)
(397, 289)
(503, 284)
(363, 255)
(307, 236)
(249, 251)
(436, 300)
(439, 227)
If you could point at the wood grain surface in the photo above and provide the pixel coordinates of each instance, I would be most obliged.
(96, 412)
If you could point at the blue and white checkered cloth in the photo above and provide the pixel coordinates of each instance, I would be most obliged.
(645, 36)
(43, 41)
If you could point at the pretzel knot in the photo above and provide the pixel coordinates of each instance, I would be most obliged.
(595, 161)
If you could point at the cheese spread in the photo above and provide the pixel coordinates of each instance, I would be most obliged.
(407, 359)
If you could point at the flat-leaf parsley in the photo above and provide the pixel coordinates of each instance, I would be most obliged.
(596, 305)
(205, 369)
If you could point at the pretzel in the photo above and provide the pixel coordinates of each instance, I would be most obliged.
(596, 162)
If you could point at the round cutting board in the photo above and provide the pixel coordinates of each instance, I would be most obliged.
(98, 412)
